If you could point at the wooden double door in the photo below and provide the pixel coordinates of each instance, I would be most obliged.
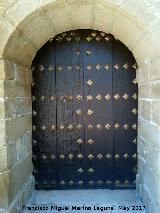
(84, 95)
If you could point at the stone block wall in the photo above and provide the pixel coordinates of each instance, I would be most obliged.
(148, 178)
(16, 180)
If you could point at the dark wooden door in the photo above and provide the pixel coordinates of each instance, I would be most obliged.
(84, 112)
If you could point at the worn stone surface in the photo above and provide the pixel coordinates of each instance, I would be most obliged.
(150, 90)
(20, 73)
(25, 49)
(12, 107)
(141, 166)
(14, 152)
(43, 25)
(80, 198)
(145, 50)
(154, 208)
(144, 90)
(80, 14)
(13, 128)
(149, 132)
(22, 197)
(154, 73)
(12, 88)
(155, 89)
(19, 10)
(47, 2)
(144, 109)
(6, 70)
(146, 197)
(16, 127)
(24, 165)
(125, 34)
(153, 160)
(148, 16)
(156, 112)
(13, 71)
(143, 74)
(6, 31)
(4, 188)
(8, 157)
(12, 181)
(59, 16)
(142, 147)
(102, 11)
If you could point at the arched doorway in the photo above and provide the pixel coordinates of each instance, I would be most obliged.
(84, 112)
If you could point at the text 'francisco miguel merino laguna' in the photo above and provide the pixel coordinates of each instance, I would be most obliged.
(65, 208)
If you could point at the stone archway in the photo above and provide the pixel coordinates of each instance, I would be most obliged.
(25, 27)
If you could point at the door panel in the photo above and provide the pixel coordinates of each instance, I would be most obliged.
(125, 115)
(94, 63)
(44, 119)
(84, 112)
(68, 87)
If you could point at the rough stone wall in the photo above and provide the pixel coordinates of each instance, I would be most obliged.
(25, 25)
(16, 181)
(148, 179)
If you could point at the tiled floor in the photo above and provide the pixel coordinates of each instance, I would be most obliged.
(94, 199)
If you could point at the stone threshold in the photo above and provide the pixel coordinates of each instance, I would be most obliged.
(93, 200)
